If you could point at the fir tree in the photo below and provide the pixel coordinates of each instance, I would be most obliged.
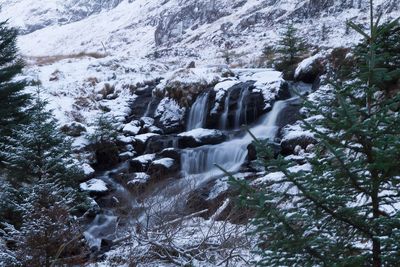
(38, 150)
(291, 49)
(341, 207)
(12, 99)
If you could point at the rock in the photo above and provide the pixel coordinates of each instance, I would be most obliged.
(159, 142)
(88, 170)
(170, 153)
(310, 69)
(199, 137)
(162, 168)
(74, 129)
(132, 128)
(126, 155)
(138, 182)
(191, 65)
(106, 155)
(170, 116)
(125, 140)
(95, 187)
(289, 145)
(142, 163)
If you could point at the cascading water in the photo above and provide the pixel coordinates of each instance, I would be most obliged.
(224, 117)
(241, 109)
(198, 112)
(232, 154)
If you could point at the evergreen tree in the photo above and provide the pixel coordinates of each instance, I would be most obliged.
(104, 141)
(341, 207)
(291, 49)
(12, 99)
(38, 150)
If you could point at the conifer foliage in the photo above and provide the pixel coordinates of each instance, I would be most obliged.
(291, 50)
(12, 99)
(340, 208)
(38, 150)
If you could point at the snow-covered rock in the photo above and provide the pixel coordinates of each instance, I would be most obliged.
(94, 186)
(132, 128)
(170, 115)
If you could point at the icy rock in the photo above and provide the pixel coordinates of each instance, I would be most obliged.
(200, 136)
(170, 115)
(162, 168)
(132, 128)
(141, 163)
(87, 170)
(309, 69)
(94, 186)
(126, 155)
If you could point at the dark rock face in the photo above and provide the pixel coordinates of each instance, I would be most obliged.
(144, 103)
(190, 15)
(243, 99)
(311, 74)
(106, 155)
(289, 115)
(157, 143)
(163, 168)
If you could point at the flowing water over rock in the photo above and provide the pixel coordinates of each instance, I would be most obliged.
(232, 154)
(198, 112)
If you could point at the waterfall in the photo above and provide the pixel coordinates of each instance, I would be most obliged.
(198, 112)
(224, 117)
(232, 154)
(241, 105)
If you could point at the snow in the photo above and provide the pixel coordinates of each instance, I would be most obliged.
(144, 159)
(295, 131)
(169, 112)
(87, 169)
(139, 178)
(94, 185)
(220, 186)
(144, 137)
(200, 133)
(132, 128)
(166, 162)
(306, 65)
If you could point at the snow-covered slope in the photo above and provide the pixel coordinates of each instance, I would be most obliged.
(179, 28)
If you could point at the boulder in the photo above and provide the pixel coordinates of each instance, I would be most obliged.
(310, 69)
(302, 140)
(137, 182)
(199, 137)
(163, 168)
(141, 163)
(95, 187)
(132, 128)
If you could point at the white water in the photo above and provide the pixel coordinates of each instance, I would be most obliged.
(198, 113)
(224, 117)
(232, 154)
(241, 106)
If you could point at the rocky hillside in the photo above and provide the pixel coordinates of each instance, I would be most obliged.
(177, 30)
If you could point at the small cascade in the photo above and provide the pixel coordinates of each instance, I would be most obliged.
(241, 109)
(198, 112)
(224, 117)
(232, 154)
(150, 107)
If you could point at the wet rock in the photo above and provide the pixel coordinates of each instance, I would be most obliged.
(199, 137)
(159, 142)
(170, 153)
(163, 168)
(137, 182)
(141, 163)
(132, 128)
(310, 69)
(95, 187)
(74, 129)
(126, 155)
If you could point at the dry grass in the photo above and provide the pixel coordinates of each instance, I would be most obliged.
(48, 60)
